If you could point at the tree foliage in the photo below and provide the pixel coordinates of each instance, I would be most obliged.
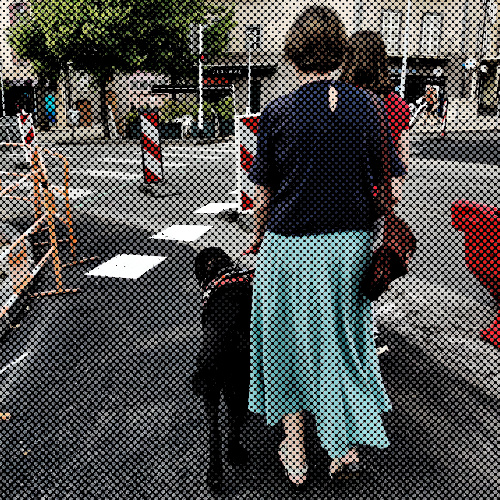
(105, 37)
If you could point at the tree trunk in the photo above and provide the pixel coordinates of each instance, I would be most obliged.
(104, 108)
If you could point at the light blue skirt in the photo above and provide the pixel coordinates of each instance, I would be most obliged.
(312, 345)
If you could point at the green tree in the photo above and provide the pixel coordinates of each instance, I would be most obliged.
(106, 37)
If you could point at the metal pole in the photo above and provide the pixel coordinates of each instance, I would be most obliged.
(1, 80)
(250, 40)
(200, 80)
(359, 15)
(404, 66)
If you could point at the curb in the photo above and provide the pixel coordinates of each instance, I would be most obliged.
(455, 134)
(425, 320)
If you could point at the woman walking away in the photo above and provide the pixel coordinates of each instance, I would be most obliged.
(312, 348)
(366, 65)
(431, 101)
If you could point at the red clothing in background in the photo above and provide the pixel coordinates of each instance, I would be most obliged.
(398, 114)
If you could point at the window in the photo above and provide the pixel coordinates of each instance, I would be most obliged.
(491, 15)
(16, 11)
(253, 33)
(391, 30)
(431, 34)
(486, 44)
(492, 11)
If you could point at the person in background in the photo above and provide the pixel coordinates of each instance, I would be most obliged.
(431, 101)
(366, 65)
(312, 347)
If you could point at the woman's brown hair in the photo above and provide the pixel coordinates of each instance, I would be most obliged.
(316, 40)
(366, 63)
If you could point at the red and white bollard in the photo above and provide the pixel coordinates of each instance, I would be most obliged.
(152, 160)
(27, 130)
(246, 134)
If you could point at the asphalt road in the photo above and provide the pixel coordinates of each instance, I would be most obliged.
(97, 382)
(98, 387)
(106, 181)
(443, 171)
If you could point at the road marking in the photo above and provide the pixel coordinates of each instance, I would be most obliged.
(15, 362)
(119, 160)
(182, 233)
(110, 174)
(15, 155)
(206, 147)
(74, 193)
(215, 208)
(127, 266)
(102, 195)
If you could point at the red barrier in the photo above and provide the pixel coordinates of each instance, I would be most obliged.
(246, 136)
(481, 226)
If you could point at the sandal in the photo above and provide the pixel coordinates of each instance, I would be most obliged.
(290, 470)
(344, 470)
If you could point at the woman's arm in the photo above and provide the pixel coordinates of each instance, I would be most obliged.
(260, 216)
(403, 150)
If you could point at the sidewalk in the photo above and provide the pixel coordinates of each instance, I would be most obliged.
(455, 126)
(443, 323)
(97, 384)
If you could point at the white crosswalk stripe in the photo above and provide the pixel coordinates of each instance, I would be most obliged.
(127, 266)
(182, 232)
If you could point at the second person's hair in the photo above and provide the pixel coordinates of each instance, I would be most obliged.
(366, 64)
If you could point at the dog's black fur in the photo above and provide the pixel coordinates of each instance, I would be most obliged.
(223, 364)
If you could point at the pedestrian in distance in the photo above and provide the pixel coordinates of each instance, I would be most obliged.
(432, 103)
(223, 363)
(366, 66)
(312, 347)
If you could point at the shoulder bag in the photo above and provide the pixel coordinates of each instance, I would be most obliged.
(390, 260)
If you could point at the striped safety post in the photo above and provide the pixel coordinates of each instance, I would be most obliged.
(247, 128)
(27, 130)
(445, 119)
(152, 160)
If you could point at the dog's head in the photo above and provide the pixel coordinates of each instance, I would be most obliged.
(210, 263)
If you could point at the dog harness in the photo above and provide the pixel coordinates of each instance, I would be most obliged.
(241, 276)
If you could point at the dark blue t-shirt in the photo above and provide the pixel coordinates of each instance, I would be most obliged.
(320, 165)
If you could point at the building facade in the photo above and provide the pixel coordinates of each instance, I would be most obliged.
(439, 38)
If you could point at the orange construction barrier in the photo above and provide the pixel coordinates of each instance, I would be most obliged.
(45, 211)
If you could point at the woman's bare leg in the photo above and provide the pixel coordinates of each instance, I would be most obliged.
(294, 430)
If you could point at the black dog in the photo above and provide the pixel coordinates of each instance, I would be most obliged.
(223, 365)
